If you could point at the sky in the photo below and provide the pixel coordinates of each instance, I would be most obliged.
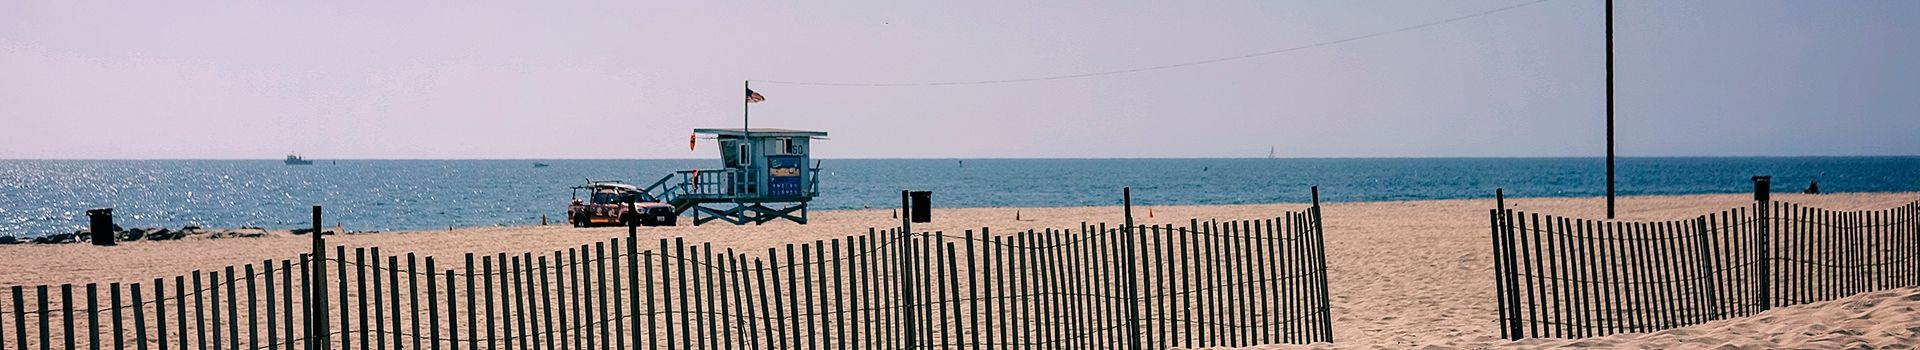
(625, 80)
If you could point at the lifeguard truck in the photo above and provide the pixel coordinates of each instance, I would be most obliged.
(765, 175)
(616, 203)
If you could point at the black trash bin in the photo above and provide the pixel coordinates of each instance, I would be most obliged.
(922, 206)
(100, 226)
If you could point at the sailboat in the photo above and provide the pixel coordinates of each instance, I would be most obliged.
(1270, 152)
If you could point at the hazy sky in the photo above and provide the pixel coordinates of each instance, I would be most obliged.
(519, 79)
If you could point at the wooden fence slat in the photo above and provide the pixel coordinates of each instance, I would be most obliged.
(473, 335)
(973, 293)
(433, 305)
(710, 312)
(93, 316)
(839, 297)
(253, 314)
(199, 308)
(689, 302)
(680, 262)
(213, 300)
(46, 333)
(233, 310)
(581, 328)
(953, 294)
(159, 314)
(811, 314)
(453, 313)
(1107, 252)
(413, 298)
(486, 292)
(518, 310)
(553, 286)
(634, 260)
(1237, 283)
(379, 326)
(546, 313)
(508, 294)
(598, 274)
(139, 318)
(653, 326)
(1204, 292)
(286, 301)
(760, 270)
(118, 329)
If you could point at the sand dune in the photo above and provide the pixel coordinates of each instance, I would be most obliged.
(1403, 274)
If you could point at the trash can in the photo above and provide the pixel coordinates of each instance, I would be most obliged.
(922, 206)
(100, 226)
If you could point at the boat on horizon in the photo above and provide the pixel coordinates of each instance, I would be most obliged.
(295, 159)
(539, 165)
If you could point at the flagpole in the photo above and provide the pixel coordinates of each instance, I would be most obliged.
(745, 112)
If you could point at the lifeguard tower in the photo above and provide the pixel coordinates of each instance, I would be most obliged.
(764, 177)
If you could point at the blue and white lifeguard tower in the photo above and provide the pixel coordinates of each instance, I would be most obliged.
(765, 176)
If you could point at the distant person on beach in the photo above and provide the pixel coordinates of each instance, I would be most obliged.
(1813, 188)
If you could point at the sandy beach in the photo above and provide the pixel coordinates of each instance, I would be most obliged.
(1402, 274)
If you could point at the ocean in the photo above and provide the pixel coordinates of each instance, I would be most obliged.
(50, 196)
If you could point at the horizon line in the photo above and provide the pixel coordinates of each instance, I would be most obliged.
(1017, 158)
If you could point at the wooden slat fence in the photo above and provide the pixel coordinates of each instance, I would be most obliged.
(1559, 277)
(1205, 284)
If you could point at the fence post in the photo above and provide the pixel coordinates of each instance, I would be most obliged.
(317, 312)
(1320, 253)
(1762, 197)
(906, 274)
(1133, 290)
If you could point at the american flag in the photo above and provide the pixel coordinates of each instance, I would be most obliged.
(755, 97)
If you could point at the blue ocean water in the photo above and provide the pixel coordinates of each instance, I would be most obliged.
(46, 196)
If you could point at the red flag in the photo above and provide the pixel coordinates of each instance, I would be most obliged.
(690, 138)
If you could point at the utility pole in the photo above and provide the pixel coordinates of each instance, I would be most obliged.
(1610, 109)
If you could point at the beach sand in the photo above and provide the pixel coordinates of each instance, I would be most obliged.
(1403, 274)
